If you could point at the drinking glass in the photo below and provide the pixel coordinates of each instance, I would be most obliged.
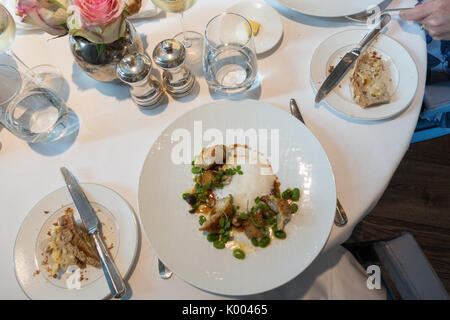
(31, 112)
(229, 55)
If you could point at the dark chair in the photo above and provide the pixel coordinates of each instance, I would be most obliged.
(405, 271)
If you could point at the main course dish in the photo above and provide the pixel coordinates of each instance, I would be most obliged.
(236, 191)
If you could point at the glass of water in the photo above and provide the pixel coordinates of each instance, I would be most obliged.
(32, 112)
(229, 56)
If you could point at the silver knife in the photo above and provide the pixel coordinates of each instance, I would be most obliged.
(349, 59)
(340, 217)
(91, 223)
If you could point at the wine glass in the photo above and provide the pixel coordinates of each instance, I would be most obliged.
(192, 40)
(43, 75)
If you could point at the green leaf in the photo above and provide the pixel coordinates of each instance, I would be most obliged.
(100, 49)
(243, 216)
(57, 4)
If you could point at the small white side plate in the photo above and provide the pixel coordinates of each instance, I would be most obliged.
(401, 72)
(119, 229)
(271, 29)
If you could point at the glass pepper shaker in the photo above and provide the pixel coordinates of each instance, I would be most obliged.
(170, 55)
(134, 69)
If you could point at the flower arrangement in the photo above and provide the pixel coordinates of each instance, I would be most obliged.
(99, 21)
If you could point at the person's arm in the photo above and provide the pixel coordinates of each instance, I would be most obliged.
(434, 16)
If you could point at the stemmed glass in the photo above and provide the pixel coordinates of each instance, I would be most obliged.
(44, 75)
(192, 40)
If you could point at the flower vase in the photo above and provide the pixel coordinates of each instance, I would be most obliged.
(99, 60)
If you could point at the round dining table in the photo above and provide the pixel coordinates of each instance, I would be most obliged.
(114, 137)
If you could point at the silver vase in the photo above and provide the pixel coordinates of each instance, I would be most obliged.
(99, 61)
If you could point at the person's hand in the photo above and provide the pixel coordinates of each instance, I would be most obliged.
(434, 16)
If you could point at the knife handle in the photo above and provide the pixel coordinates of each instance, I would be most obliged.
(295, 111)
(340, 218)
(113, 277)
(384, 20)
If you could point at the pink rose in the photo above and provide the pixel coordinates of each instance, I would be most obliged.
(99, 12)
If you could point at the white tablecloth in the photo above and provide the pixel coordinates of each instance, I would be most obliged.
(115, 136)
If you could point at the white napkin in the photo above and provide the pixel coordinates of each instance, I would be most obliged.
(334, 275)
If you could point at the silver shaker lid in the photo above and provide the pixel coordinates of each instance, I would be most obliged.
(134, 67)
(169, 53)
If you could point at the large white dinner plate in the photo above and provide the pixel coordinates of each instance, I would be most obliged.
(401, 73)
(329, 8)
(271, 29)
(173, 232)
(119, 230)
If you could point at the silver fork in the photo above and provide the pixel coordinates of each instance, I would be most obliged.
(340, 217)
(164, 272)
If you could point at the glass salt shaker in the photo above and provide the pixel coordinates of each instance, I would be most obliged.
(170, 55)
(134, 69)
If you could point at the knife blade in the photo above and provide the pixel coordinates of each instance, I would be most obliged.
(90, 220)
(87, 213)
(346, 63)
